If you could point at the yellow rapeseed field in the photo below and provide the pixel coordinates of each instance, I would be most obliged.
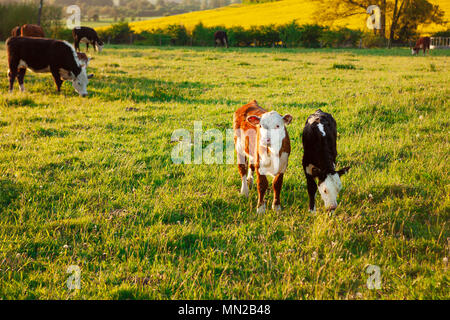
(280, 12)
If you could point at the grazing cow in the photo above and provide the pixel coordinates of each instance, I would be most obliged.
(32, 30)
(261, 138)
(15, 32)
(45, 55)
(319, 159)
(423, 43)
(86, 35)
(220, 38)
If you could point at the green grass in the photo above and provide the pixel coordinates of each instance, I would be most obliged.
(90, 182)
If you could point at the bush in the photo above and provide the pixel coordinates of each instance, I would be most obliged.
(117, 33)
(340, 38)
(442, 34)
(17, 14)
(370, 40)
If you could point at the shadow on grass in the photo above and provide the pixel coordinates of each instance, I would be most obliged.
(9, 191)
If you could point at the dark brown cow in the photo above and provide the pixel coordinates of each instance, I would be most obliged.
(262, 139)
(220, 38)
(45, 55)
(423, 43)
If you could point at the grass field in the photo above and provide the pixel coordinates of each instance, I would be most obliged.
(90, 181)
(277, 13)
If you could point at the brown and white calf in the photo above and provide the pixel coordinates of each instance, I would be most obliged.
(422, 43)
(263, 146)
(319, 159)
(45, 55)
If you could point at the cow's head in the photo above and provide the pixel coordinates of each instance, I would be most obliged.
(79, 82)
(414, 51)
(271, 128)
(329, 187)
(99, 45)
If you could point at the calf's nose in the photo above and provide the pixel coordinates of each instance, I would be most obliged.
(332, 207)
(84, 95)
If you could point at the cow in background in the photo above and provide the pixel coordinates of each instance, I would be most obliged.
(28, 30)
(45, 55)
(220, 38)
(423, 43)
(261, 138)
(319, 159)
(15, 32)
(32, 30)
(86, 35)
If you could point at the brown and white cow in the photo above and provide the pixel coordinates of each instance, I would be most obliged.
(261, 139)
(32, 30)
(45, 55)
(423, 43)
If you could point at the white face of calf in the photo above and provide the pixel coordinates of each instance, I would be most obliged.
(271, 128)
(329, 190)
(271, 134)
(99, 47)
(330, 187)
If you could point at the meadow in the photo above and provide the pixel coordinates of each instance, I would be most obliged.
(90, 181)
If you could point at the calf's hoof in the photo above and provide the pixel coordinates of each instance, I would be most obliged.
(276, 207)
(244, 192)
(250, 182)
(261, 209)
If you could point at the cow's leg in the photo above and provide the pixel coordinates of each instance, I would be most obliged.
(87, 46)
(12, 74)
(261, 180)
(251, 169)
(20, 77)
(277, 183)
(57, 78)
(312, 189)
(243, 172)
(77, 45)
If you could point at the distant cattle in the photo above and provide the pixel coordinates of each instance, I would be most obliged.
(15, 32)
(422, 43)
(262, 145)
(45, 55)
(86, 35)
(319, 159)
(32, 30)
(28, 30)
(221, 38)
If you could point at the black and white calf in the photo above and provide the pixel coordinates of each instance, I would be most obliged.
(86, 35)
(319, 159)
(45, 55)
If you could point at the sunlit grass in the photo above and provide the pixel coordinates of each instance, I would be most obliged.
(90, 182)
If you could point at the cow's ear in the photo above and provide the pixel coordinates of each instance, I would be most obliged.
(343, 171)
(287, 118)
(254, 120)
(66, 75)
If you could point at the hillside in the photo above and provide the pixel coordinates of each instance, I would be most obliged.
(265, 14)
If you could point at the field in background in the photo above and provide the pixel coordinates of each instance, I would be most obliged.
(279, 12)
(106, 21)
(90, 181)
